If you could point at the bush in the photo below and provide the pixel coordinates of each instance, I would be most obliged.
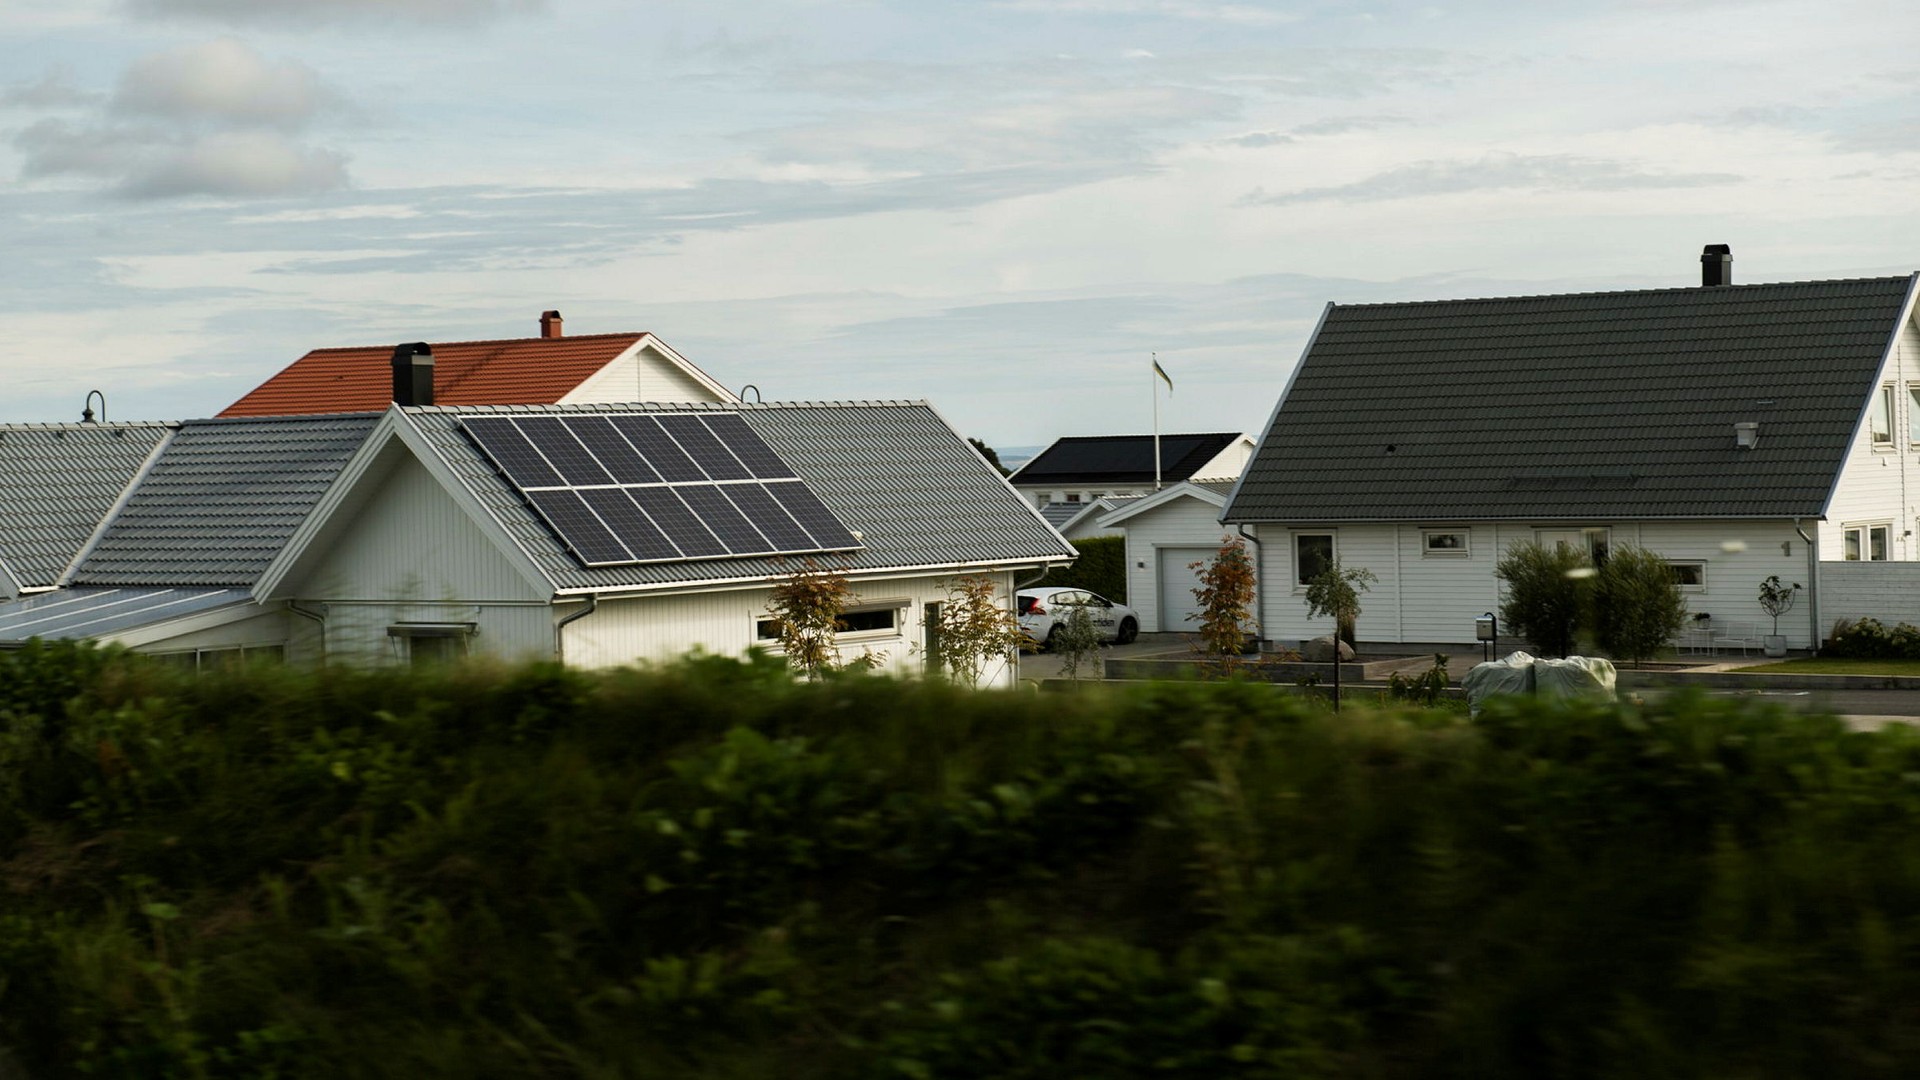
(1101, 568)
(1547, 594)
(1868, 639)
(1638, 606)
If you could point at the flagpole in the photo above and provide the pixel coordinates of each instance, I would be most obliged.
(1152, 374)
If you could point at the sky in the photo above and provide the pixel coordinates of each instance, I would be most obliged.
(1005, 207)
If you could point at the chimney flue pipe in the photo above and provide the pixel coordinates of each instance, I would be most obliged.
(413, 374)
(1716, 266)
(550, 324)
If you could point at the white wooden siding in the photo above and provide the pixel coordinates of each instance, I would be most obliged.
(1435, 600)
(640, 375)
(1881, 486)
(1228, 464)
(1889, 592)
(1185, 522)
(642, 629)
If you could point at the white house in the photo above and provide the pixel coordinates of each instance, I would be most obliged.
(1740, 431)
(600, 534)
(1084, 469)
(1167, 533)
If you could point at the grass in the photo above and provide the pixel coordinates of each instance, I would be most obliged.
(1816, 666)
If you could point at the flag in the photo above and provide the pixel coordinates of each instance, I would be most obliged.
(1160, 371)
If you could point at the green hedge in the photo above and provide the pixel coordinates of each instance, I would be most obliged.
(1868, 639)
(1102, 567)
(710, 870)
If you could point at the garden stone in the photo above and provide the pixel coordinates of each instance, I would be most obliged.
(1320, 650)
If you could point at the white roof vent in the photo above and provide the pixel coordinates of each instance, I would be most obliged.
(1746, 436)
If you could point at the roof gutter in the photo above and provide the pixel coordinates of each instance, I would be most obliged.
(863, 574)
(319, 620)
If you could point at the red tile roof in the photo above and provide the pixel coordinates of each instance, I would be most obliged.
(518, 371)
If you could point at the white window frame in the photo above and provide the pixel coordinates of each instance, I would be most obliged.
(1860, 536)
(1913, 414)
(1463, 549)
(1588, 535)
(1697, 564)
(1882, 411)
(763, 623)
(1333, 552)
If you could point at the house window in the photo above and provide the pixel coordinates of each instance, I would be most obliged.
(1868, 543)
(1592, 540)
(1881, 422)
(877, 619)
(1312, 554)
(1439, 544)
(422, 644)
(1913, 414)
(1690, 576)
(1073, 496)
(224, 659)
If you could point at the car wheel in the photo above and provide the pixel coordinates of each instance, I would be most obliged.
(1053, 638)
(1128, 631)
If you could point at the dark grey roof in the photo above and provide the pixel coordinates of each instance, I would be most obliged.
(222, 500)
(57, 481)
(1058, 514)
(1590, 406)
(92, 613)
(894, 472)
(1122, 459)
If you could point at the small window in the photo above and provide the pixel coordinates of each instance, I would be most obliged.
(1073, 496)
(1867, 542)
(1312, 555)
(223, 659)
(1690, 576)
(1913, 414)
(421, 644)
(1438, 544)
(861, 620)
(1881, 421)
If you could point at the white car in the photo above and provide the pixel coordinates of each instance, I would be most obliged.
(1043, 610)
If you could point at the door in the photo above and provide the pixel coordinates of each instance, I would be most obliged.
(1177, 583)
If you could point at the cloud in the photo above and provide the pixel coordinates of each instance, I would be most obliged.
(55, 90)
(1343, 125)
(1240, 14)
(1258, 140)
(324, 12)
(214, 118)
(1492, 172)
(220, 81)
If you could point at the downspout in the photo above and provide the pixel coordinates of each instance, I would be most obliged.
(1259, 581)
(1813, 587)
(560, 628)
(319, 620)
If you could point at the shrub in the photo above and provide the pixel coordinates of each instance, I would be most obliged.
(1547, 593)
(1869, 639)
(1335, 592)
(1075, 640)
(1638, 606)
(1226, 594)
(1101, 568)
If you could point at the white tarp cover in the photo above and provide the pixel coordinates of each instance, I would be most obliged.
(1511, 674)
(1574, 677)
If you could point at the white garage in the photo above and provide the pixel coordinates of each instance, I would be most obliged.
(1167, 531)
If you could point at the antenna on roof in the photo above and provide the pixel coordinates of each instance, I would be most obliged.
(86, 411)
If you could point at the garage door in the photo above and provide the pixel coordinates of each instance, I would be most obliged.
(1177, 583)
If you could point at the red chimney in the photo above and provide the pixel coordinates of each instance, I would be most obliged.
(550, 324)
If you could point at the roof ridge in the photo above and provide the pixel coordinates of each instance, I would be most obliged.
(86, 425)
(1716, 290)
(665, 406)
(278, 418)
(635, 334)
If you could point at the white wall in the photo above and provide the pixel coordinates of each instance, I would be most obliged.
(1185, 522)
(1881, 485)
(640, 375)
(1228, 464)
(1886, 591)
(636, 629)
(1421, 599)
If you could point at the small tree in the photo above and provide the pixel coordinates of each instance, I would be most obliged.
(806, 609)
(1637, 603)
(1546, 594)
(973, 628)
(1225, 593)
(1776, 599)
(1336, 591)
(993, 459)
(1075, 640)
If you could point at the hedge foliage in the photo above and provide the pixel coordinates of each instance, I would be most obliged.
(712, 870)
(1868, 639)
(1102, 567)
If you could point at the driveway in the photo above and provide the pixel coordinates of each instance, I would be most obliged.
(1037, 666)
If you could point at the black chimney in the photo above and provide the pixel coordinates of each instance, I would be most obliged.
(1716, 266)
(413, 374)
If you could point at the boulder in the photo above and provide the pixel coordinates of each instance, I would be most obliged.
(1320, 650)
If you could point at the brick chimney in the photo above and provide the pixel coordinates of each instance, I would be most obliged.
(550, 324)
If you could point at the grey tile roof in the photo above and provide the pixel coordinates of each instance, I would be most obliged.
(1058, 514)
(1590, 406)
(892, 471)
(1122, 459)
(56, 482)
(92, 613)
(222, 500)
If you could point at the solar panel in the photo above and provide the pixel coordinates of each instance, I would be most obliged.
(628, 488)
(577, 467)
(513, 453)
(767, 516)
(661, 452)
(747, 445)
(706, 451)
(812, 514)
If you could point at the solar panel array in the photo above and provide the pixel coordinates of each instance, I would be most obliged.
(625, 488)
